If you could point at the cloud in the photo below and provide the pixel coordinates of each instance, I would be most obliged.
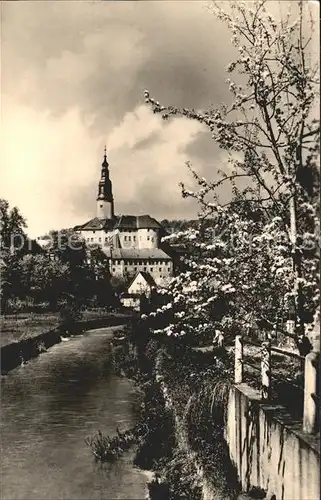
(50, 173)
(73, 79)
(150, 176)
(73, 76)
(45, 165)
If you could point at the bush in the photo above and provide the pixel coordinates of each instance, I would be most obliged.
(69, 315)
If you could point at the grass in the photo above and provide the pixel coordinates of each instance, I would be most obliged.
(198, 386)
(17, 327)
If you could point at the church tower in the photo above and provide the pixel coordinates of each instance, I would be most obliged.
(105, 200)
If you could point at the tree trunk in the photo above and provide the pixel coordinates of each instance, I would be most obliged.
(297, 271)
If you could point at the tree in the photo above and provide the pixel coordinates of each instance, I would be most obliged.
(102, 285)
(43, 279)
(12, 225)
(12, 246)
(68, 248)
(10, 278)
(272, 141)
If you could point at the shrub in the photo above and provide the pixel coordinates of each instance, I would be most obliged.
(69, 315)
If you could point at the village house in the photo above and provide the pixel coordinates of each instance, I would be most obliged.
(142, 284)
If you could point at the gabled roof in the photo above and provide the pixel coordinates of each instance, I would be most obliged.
(121, 222)
(95, 223)
(147, 277)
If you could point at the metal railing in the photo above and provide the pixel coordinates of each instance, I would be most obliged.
(311, 377)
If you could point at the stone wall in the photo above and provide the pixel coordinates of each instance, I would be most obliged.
(269, 449)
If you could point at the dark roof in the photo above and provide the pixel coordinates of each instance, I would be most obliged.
(136, 253)
(149, 279)
(121, 222)
(95, 223)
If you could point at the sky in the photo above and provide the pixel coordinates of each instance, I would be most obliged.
(73, 76)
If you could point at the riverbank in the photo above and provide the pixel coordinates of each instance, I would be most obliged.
(50, 406)
(24, 325)
(16, 353)
(185, 409)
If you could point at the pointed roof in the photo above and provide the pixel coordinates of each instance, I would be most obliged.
(94, 223)
(147, 277)
(105, 162)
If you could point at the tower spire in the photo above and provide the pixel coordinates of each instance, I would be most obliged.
(105, 200)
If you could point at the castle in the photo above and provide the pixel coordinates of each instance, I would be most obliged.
(131, 243)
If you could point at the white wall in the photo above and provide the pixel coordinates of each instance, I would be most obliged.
(128, 239)
(158, 269)
(148, 238)
(105, 209)
(96, 236)
(139, 285)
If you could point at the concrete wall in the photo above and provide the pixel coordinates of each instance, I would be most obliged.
(269, 449)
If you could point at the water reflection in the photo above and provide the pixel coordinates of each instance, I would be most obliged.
(49, 406)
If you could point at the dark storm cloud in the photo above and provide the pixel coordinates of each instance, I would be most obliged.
(100, 57)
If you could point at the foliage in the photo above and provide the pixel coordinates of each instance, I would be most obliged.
(253, 262)
(12, 224)
(34, 276)
(70, 313)
(181, 475)
(43, 279)
(107, 449)
(153, 427)
(198, 388)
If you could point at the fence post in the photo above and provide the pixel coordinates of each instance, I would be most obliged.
(266, 369)
(311, 393)
(238, 370)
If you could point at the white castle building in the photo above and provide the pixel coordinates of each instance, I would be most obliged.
(132, 243)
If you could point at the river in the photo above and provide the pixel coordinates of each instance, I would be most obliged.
(49, 407)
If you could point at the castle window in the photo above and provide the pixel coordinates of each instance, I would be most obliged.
(106, 239)
(169, 268)
(129, 238)
(134, 238)
(101, 206)
(145, 268)
(91, 239)
(147, 238)
(94, 232)
(125, 268)
(151, 269)
(125, 238)
(153, 239)
(160, 269)
(113, 269)
(135, 268)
